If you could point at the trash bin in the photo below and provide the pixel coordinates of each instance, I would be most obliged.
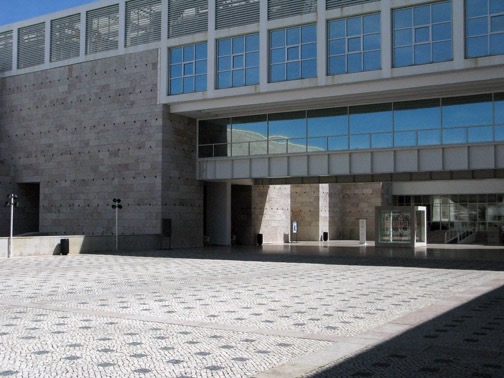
(325, 236)
(64, 246)
(259, 239)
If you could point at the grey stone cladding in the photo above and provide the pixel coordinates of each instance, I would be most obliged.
(90, 132)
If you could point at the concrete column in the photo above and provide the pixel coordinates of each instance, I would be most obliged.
(263, 46)
(211, 48)
(386, 37)
(321, 43)
(218, 213)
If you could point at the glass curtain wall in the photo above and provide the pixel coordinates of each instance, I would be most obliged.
(455, 120)
(460, 212)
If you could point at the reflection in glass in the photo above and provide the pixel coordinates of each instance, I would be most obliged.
(293, 53)
(468, 119)
(287, 125)
(370, 118)
(417, 115)
(467, 111)
(356, 47)
(452, 136)
(327, 122)
(499, 108)
(480, 134)
(382, 140)
(405, 139)
(249, 128)
(428, 138)
(358, 142)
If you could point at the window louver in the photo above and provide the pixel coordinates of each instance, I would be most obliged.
(6, 41)
(65, 38)
(102, 29)
(187, 17)
(143, 22)
(230, 13)
(31, 45)
(287, 8)
(333, 4)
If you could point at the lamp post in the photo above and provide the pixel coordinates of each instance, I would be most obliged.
(116, 206)
(11, 202)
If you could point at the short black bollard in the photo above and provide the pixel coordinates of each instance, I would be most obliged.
(259, 239)
(64, 246)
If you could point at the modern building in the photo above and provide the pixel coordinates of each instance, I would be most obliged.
(217, 120)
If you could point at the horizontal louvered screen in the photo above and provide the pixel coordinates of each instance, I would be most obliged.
(65, 38)
(288, 8)
(6, 41)
(187, 17)
(102, 29)
(333, 4)
(31, 45)
(231, 13)
(143, 22)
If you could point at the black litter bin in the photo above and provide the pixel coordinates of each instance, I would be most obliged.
(259, 239)
(325, 236)
(64, 246)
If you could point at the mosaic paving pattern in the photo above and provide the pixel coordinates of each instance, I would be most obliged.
(94, 315)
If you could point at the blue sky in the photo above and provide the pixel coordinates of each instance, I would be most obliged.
(19, 10)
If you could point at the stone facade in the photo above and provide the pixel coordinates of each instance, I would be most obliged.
(90, 132)
(332, 208)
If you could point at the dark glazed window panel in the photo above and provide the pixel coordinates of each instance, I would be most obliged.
(214, 131)
(467, 111)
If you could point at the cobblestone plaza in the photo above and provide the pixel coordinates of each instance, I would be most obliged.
(231, 312)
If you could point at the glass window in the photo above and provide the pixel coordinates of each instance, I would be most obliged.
(287, 125)
(422, 34)
(293, 53)
(484, 28)
(354, 44)
(417, 115)
(499, 108)
(213, 137)
(188, 69)
(238, 61)
(467, 111)
(324, 122)
(370, 118)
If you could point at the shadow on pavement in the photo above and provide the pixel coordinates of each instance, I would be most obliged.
(446, 258)
(465, 342)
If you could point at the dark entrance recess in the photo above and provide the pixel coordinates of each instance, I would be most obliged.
(28, 213)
